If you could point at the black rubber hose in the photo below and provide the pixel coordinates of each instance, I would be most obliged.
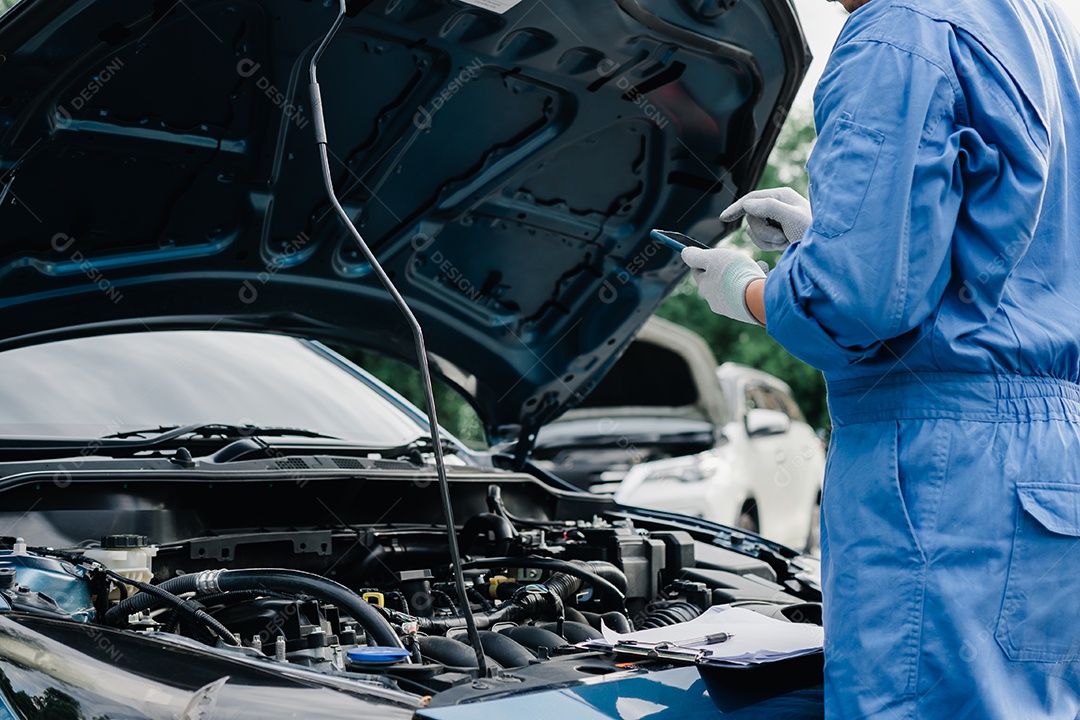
(369, 563)
(614, 620)
(617, 622)
(563, 585)
(587, 571)
(474, 595)
(487, 525)
(478, 597)
(379, 631)
(158, 595)
(609, 572)
(527, 607)
(447, 602)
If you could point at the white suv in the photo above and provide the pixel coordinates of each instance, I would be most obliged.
(669, 430)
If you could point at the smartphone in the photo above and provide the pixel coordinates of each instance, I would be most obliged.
(677, 241)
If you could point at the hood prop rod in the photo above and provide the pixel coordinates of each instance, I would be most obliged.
(417, 332)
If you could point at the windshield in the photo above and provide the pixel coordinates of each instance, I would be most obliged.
(93, 387)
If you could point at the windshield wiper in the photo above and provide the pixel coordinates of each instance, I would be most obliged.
(211, 435)
(134, 441)
(414, 449)
(164, 433)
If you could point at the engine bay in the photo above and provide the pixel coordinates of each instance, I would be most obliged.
(374, 602)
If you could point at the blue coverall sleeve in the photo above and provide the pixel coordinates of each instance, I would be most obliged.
(885, 188)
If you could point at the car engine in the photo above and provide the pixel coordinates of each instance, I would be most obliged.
(384, 605)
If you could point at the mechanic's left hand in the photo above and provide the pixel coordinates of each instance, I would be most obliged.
(722, 276)
(775, 218)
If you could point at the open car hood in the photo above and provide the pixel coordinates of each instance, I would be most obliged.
(159, 170)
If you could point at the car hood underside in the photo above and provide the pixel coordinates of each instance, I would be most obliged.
(158, 169)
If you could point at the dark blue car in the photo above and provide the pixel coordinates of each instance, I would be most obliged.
(204, 511)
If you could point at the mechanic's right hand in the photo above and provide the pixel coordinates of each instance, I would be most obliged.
(775, 218)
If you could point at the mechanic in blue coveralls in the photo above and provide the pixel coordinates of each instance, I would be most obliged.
(936, 282)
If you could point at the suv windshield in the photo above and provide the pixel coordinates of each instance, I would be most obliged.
(99, 386)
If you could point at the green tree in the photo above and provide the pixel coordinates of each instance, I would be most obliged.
(454, 414)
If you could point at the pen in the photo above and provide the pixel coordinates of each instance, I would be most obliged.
(708, 639)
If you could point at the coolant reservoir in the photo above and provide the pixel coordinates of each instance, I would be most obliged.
(127, 555)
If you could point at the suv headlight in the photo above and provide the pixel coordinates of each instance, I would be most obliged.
(687, 469)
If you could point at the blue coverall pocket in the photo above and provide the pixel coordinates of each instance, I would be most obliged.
(838, 197)
(1040, 612)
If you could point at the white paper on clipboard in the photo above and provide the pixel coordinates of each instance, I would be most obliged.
(499, 6)
(755, 638)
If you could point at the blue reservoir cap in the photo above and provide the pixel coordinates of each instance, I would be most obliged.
(377, 655)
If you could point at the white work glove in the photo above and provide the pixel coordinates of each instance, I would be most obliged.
(722, 276)
(774, 218)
